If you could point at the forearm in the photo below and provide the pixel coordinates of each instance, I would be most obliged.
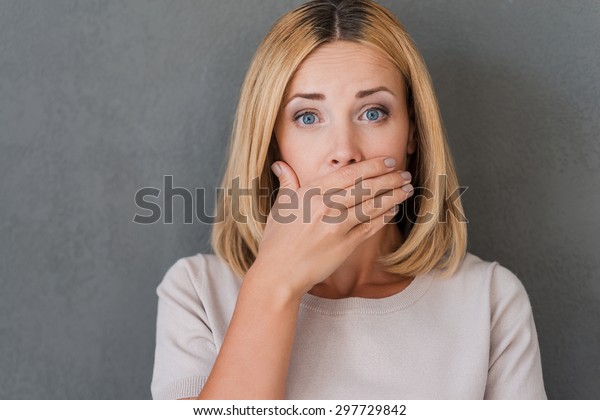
(255, 355)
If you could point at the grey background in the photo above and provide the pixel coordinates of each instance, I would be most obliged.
(101, 98)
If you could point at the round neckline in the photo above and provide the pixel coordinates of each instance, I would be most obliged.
(361, 305)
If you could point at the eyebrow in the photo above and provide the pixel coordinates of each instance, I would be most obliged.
(320, 97)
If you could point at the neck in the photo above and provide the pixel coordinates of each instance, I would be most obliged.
(360, 276)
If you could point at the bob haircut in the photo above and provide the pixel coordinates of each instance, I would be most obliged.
(432, 223)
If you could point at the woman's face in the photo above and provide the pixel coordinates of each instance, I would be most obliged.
(346, 103)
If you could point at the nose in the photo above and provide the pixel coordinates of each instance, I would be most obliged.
(345, 148)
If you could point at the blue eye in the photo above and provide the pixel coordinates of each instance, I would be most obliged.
(308, 118)
(375, 114)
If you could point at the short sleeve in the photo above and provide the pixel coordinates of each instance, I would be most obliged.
(515, 370)
(185, 350)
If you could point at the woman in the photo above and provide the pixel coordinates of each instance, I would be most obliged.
(345, 284)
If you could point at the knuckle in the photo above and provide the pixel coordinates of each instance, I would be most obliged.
(315, 202)
(326, 213)
(399, 179)
(367, 227)
(393, 180)
(330, 229)
(402, 194)
(384, 191)
(369, 206)
(370, 187)
(330, 211)
(381, 201)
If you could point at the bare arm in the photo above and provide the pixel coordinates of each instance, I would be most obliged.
(254, 358)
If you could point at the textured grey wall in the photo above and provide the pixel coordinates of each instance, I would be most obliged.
(101, 98)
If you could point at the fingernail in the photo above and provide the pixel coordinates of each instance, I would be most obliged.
(407, 188)
(406, 175)
(390, 162)
(276, 169)
(394, 209)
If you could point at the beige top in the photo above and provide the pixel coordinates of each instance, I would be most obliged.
(471, 336)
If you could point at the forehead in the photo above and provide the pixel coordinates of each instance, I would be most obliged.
(345, 64)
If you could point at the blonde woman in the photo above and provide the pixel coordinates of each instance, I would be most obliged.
(344, 273)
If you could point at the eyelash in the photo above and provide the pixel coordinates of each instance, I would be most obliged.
(381, 109)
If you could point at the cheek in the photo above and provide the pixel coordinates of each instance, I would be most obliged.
(391, 141)
(299, 159)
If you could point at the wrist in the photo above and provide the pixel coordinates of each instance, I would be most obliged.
(273, 289)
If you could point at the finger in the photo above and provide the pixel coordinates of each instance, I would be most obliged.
(363, 231)
(376, 206)
(286, 175)
(366, 189)
(349, 175)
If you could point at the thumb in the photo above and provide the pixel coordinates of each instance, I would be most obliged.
(287, 176)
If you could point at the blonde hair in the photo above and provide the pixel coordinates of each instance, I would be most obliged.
(430, 239)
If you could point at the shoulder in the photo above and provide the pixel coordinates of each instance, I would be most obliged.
(194, 275)
(474, 270)
(482, 280)
(488, 281)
